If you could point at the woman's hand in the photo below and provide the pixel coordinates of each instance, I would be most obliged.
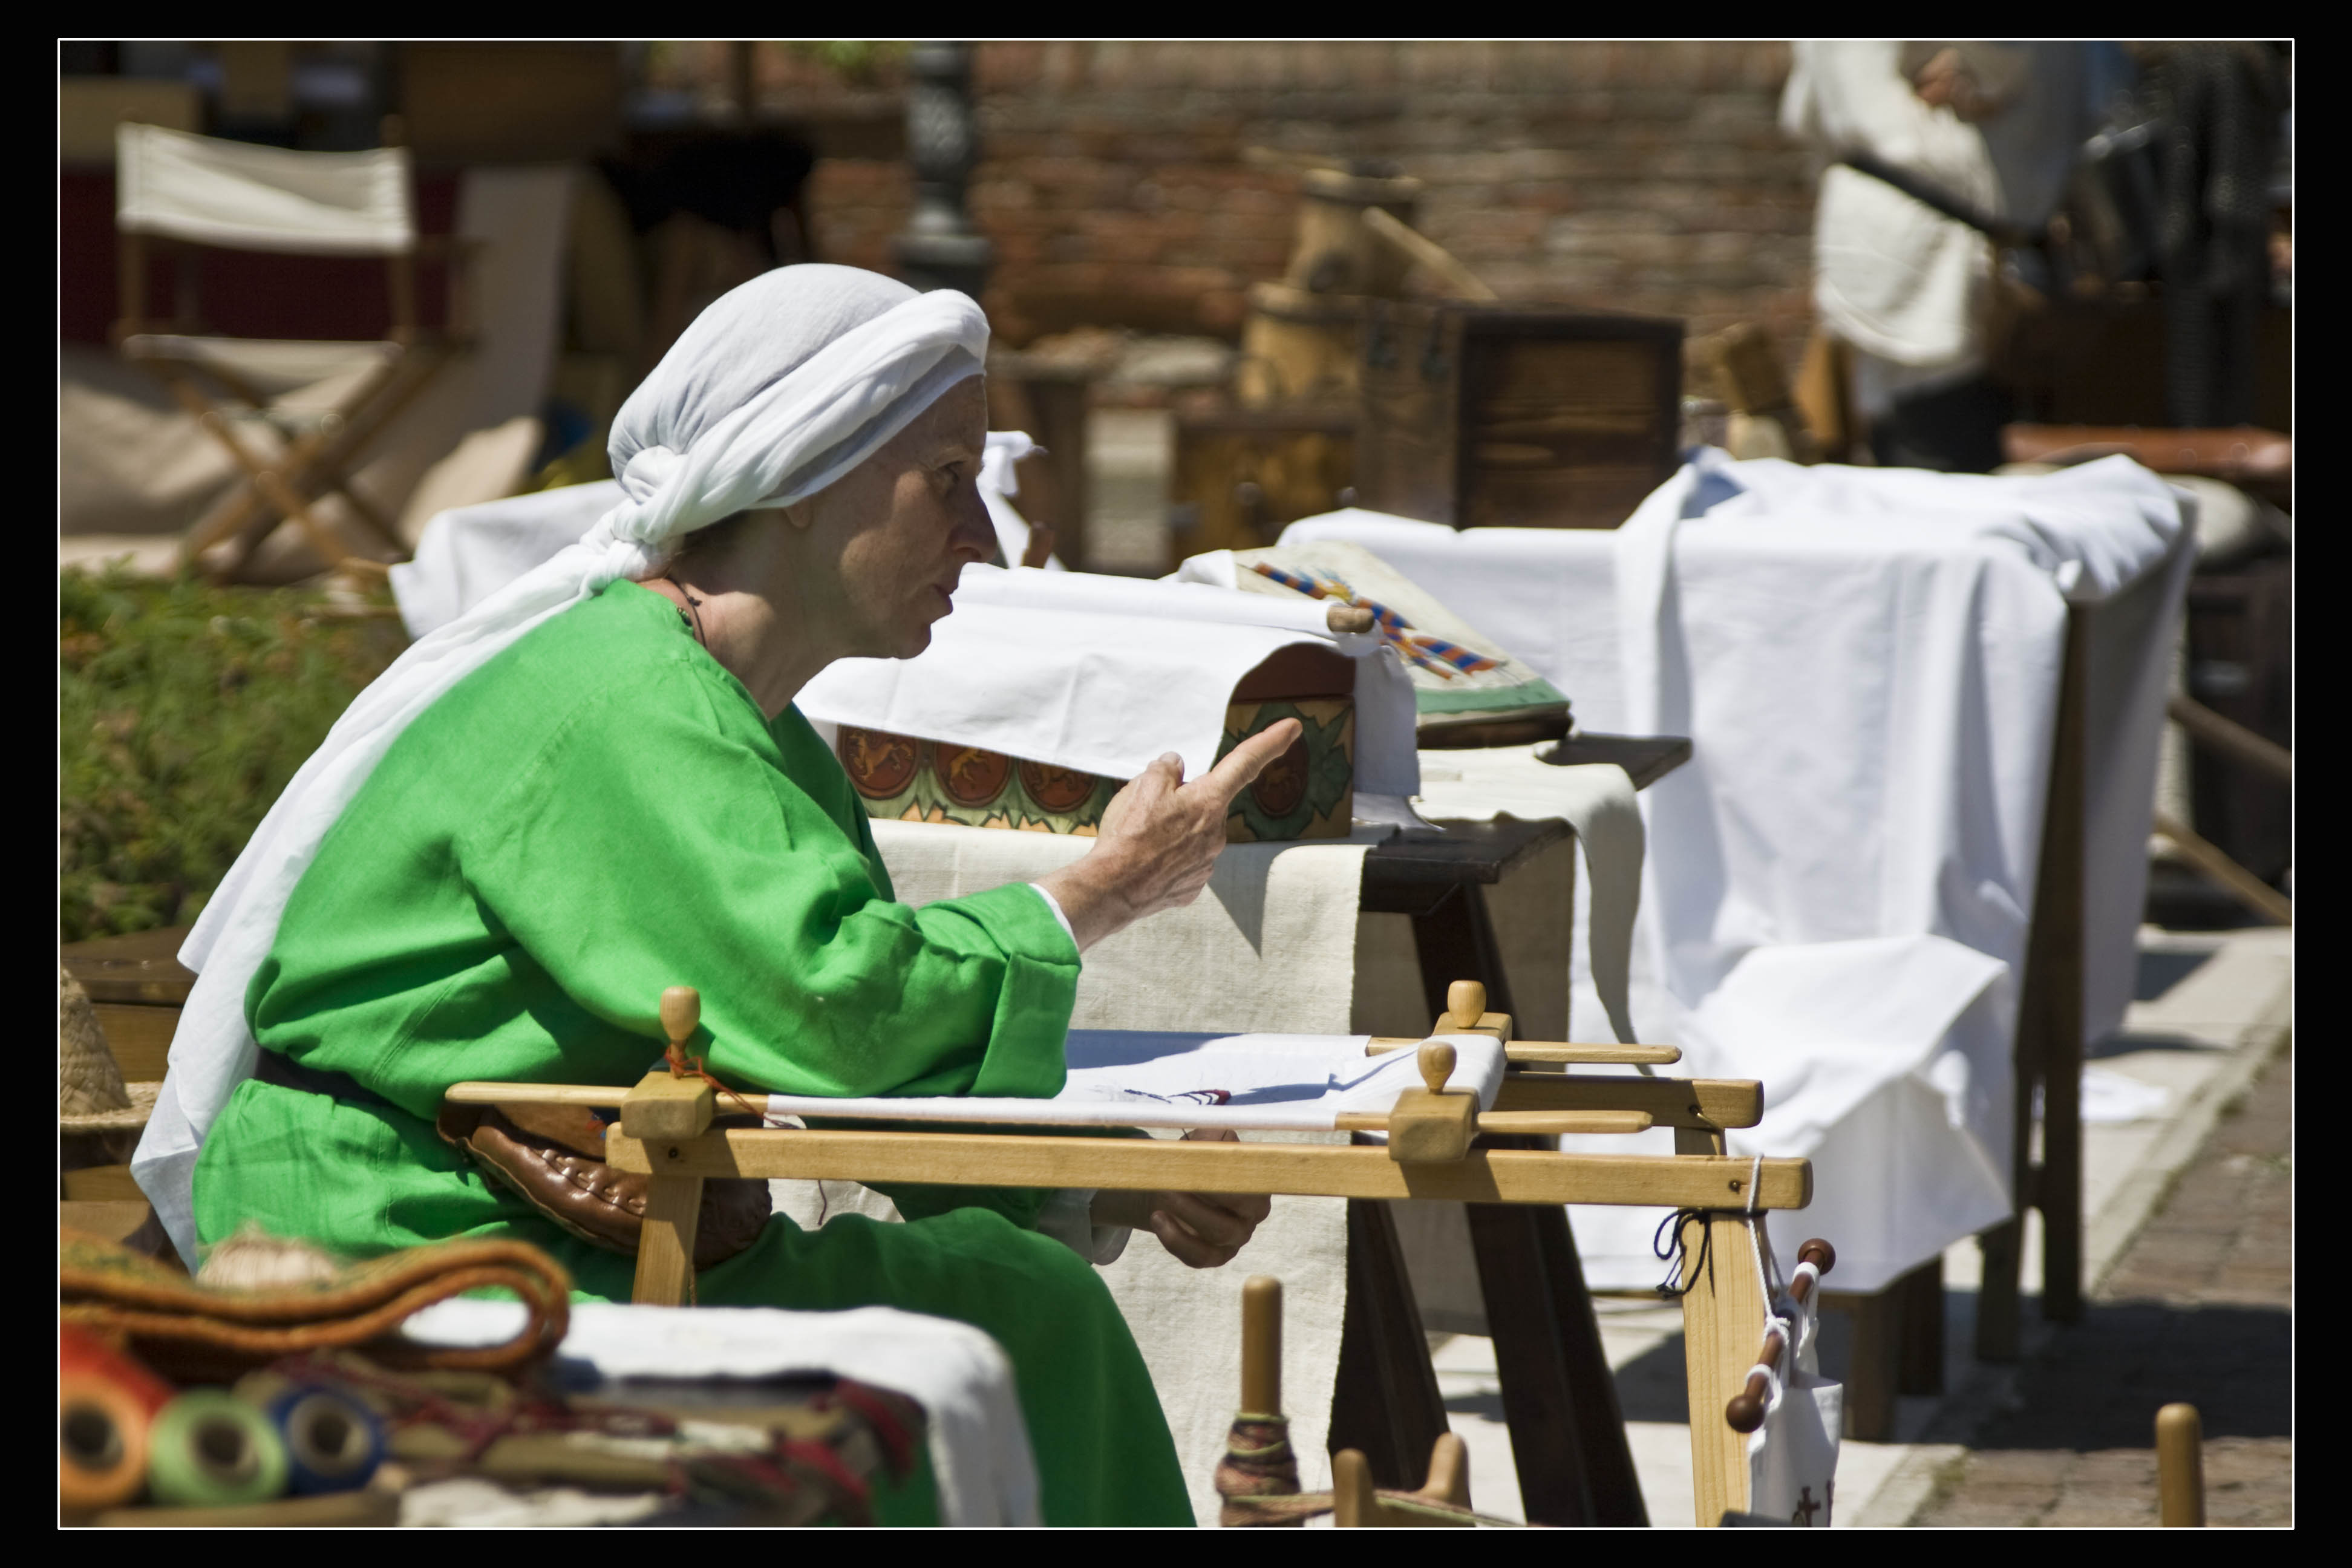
(1203, 1230)
(1160, 839)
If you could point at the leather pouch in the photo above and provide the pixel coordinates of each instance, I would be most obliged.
(552, 1157)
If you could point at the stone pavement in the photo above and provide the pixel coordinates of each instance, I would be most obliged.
(2198, 1308)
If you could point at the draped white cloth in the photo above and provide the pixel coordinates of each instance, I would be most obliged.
(778, 389)
(1839, 886)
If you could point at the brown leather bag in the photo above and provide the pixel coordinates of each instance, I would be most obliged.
(552, 1157)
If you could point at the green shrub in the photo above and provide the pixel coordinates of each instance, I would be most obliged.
(183, 711)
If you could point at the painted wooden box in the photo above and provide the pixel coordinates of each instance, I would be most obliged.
(1307, 792)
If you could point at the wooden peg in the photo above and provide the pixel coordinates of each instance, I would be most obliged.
(666, 1104)
(1354, 1504)
(1429, 1123)
(1818, 1253)
(1262, 1346)
(2180, 1465)
(1349, 618)
(1466, 1004)
(681, 1013)
(1449, 1471)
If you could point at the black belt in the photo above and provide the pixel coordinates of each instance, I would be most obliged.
(285, 1072)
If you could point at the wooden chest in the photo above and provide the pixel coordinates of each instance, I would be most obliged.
(1483, 415)
(1308, 793)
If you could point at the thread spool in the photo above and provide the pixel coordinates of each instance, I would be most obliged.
(102, 1442)
(332, 1442)
(209, 1449)
(333, 1439)
(78, 1349)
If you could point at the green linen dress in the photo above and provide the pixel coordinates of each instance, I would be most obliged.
(602, 811)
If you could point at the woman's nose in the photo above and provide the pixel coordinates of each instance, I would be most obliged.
(975, 531)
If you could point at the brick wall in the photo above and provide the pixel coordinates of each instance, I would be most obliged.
(1641, 176)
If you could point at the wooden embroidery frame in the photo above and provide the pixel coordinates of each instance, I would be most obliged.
(665, 1133)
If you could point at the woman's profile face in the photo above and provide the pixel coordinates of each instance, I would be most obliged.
(906, 522)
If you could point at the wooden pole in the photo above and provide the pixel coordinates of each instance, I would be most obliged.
(950, 1158)
(1722, 1307)
(665, 1244)
(1262, 1346)
(2225, 735)
(2209, 857)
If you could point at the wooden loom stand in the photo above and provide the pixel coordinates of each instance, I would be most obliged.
(664, 1133)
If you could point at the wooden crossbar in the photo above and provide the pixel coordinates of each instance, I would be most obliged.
(1305, 1169)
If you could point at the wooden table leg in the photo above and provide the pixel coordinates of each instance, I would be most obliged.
(2049, 1054)
(1568, 1430)
(1874, 1368)
(1384, 1402)
(1559, 1397)
(1920, 1328)
(2058, 1190)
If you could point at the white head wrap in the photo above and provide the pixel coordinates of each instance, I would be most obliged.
(777, 390)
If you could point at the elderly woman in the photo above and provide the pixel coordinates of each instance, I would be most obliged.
(595, 785)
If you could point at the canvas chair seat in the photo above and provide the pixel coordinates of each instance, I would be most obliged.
(177, 189)
(277, 364)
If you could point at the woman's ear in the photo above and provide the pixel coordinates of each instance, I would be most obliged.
(801, 514)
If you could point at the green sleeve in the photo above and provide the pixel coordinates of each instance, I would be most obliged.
(658, 840)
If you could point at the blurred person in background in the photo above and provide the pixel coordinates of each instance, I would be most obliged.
(1933, 145)
(2224, 108)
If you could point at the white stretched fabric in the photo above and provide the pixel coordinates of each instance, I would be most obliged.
(1839, 883)
(235, 194)
(1106, 674)
(981, 1458)
(778, 389)
(1130, 1077)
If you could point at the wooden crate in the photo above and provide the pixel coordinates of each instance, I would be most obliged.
(1483, 415)
(1242, 475)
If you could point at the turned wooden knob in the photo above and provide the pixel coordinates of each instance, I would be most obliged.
(1745, 1410)
(1349, 618)
(681, 1013)
(1437, 1062)
(1466, 1004)
(1818, 1253)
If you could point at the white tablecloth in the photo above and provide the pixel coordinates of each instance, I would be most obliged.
(1839, 884)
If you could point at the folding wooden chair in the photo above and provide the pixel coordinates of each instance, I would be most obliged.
(175, 193)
